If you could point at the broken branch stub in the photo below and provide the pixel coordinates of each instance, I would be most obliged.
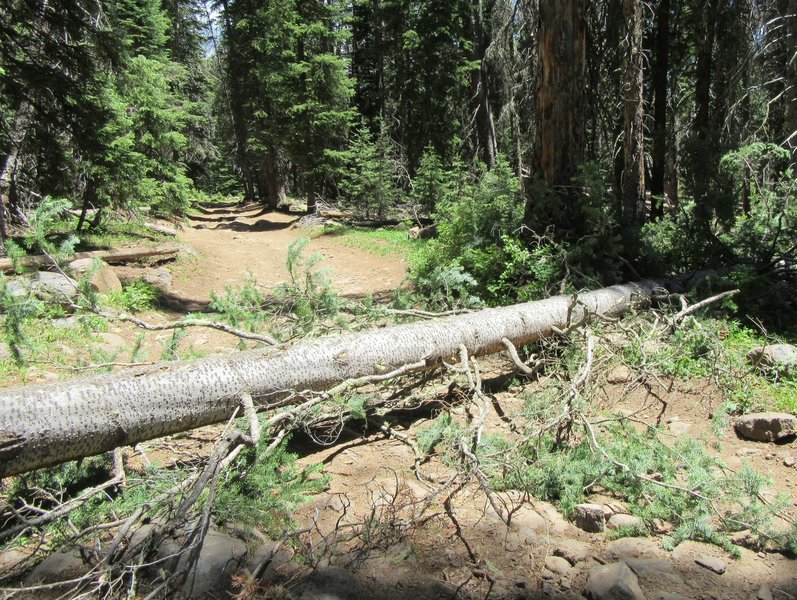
(44, 425)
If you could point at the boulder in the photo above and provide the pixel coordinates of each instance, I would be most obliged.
(589, 517)
(615, 581)
(619, 520)
(103, 280)
(61, 566)
(330, 583)
(219, 558)
(766, 427)
(780, 357)
(55, 286)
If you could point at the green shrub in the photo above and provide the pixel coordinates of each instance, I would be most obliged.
(264, 487)
(136, 296)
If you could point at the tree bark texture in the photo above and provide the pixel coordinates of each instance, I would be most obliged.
(486, 144)
(44, 425)
(661, 87)
(634, 113)
(560, 99)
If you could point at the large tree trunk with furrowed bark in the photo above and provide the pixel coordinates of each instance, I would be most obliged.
(44, 425)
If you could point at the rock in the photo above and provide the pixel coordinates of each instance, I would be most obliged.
(629, 547)
(276, 557)
(330, 583)
(160, 277)
(573, 551)
(678, 428)
(103, 280)
(14, 559)
(789, 461)
(619, 374)
(712, 563)
(646, 566)
(620, 520)
(780, 357)
(766, 427)
(764, 593)
(60, 566)
(220, 556)
(110, 344)
(740, 537)
(589, 517)
(615, 581)
(65, 323)
(557, 564)
(53, 286)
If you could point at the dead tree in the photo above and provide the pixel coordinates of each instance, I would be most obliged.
(44, 425)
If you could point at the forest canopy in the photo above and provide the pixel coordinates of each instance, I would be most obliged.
(555, 144)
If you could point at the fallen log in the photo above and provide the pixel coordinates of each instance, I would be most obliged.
(44, 425)
(122, 255)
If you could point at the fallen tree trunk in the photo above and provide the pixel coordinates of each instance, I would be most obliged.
(110, 256)
(43, 425)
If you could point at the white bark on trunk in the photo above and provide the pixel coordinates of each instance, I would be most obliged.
(43, 425)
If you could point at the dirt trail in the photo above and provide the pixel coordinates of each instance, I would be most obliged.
(233, 242)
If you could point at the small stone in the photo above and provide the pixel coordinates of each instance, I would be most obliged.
(662, 527)
(589, 517)
(740, 537)
(615, 581)
(650, 566)
(766, 427)
(712, 564)
(547, 575)
(789, 461)
(619, 374)
(160, 277)
(618, 521)
(679, 428)
(764, 593)
(557, 564)
(748, 452)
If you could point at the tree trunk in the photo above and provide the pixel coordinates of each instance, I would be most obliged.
(560, 99)
(9, 165)
(272, 180)
(791, 79)
(634, 105)
(122, 255)
(486, 145)
(660, 83)
(44, 425)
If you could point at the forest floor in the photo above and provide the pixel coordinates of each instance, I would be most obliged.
(379, 531)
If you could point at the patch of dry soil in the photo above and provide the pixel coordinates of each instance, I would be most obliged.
(233, 244)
